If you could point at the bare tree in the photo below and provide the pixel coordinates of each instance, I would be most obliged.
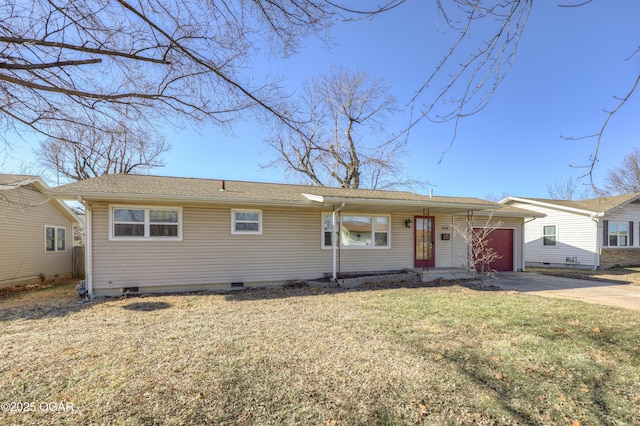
(480, 254)
(569, 189)
(82, 152)
(343, 139)
(626, 178)
(86, 62)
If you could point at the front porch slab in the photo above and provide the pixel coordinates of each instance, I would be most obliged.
(427, 275)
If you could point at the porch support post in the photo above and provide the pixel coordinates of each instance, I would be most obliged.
(334, 240)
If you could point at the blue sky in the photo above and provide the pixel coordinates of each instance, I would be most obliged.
(571, 63)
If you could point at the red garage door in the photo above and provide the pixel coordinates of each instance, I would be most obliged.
(502, 243)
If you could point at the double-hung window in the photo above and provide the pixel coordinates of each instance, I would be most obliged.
(549, 235)
(618, 234)
(55, 239)
(137, 222)
(357, 231)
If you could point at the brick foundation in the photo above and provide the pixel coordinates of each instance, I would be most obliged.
(610, 257)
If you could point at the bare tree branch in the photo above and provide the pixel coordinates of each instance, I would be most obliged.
(125, 60)
(625, 179)
(599, 135)
(343, 140)
(477, 236)
(82, 152)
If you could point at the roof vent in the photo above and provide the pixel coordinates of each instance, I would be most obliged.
(224, 185)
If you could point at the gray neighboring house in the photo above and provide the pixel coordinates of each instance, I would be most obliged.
(37, 231)
(597, 233)
(157, 234)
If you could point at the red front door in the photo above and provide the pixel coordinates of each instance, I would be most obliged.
(424, 242)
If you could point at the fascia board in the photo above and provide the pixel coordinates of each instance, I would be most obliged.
(549, 205)
(629, 201)
(144, 198)
(409, 203)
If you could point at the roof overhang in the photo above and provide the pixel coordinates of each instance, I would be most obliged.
(621, 205)
(549, 205)
(395, 205)
(43, 188)
(173, 199)
(378, 205)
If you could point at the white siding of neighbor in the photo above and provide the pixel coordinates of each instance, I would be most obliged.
(576, 238)
(289, 248)
(23, 218)
(626, 214)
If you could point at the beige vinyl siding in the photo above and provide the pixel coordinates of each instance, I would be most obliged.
(22, 226)
(575, 238)
(289, 248)
(445, 250)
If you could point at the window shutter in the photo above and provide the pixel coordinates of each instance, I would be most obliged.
(605, 233)
(630, 233)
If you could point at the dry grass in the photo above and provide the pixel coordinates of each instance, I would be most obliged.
(445, 355)
(622, 274)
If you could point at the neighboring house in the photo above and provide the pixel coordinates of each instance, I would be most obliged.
(155, 234)
(596, 233)
(37, 232)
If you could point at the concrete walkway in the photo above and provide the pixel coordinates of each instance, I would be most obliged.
(600, 292)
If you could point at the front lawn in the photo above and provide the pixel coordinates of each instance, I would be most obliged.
(444, 355)
(620, 274)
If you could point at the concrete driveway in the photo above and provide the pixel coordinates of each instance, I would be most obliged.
(600, 292)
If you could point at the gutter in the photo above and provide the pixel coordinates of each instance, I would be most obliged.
(175, 199)
(596, 256)
(408, 203)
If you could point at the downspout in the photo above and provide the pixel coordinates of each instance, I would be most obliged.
(524, 253)
(334, 240)
(88, 249)
(596, 256)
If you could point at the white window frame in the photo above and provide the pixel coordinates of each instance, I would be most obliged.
(617, 233)
(373, 216)
(234, 231)
(56, 240)
(147, 223)
(555, 235)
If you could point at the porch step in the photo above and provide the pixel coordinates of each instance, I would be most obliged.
(433, 274)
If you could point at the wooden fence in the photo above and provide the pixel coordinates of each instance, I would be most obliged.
(77, 262)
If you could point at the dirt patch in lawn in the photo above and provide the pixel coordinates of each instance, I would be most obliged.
(6, 292)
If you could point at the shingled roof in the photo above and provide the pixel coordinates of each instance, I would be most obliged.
(602, 204)
(146, 187)
(11, 179)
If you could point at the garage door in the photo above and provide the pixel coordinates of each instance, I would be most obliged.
(502, 243)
